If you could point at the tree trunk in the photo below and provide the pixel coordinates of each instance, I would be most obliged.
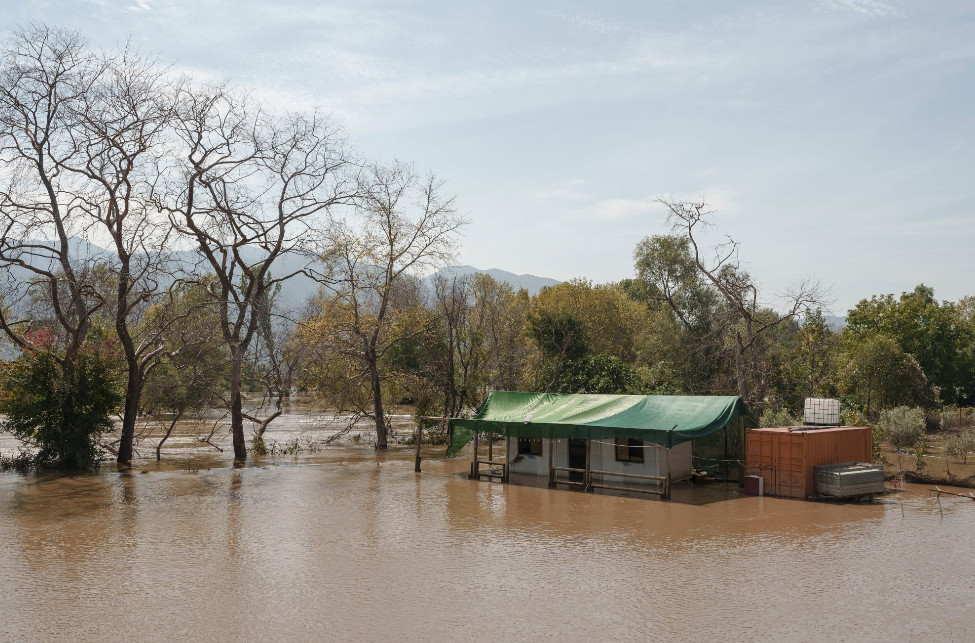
(740, 367)
(132, 390)
(377, 403)
(236, 406)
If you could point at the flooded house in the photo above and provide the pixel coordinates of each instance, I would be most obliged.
(619, 443)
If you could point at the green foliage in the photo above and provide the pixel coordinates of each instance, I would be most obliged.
(854, 416)
(779, 417)
(877, 374)
(935, 334)
(597, 374)
(903, 426)
(577, 318)
(810, 362)
(59, 407)
(919, 450)
(667, 272)
(961, 446)
(558, 334)
(194, 368)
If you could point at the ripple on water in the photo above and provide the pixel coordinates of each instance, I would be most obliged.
(344, 544)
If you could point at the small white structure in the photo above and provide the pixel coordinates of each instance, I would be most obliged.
(536, 461)
(821, 411)
(638, 443)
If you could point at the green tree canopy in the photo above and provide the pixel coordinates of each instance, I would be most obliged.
(935, 333)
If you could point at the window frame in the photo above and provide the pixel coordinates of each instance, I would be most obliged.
(630, 450)
(530, 446)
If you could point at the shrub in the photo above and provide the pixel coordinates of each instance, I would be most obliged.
(595, 374)
(778, 417)
(854, 415)
(902, 426)
(920, 450)
(961, 446)
(954, 418)
(61, 410)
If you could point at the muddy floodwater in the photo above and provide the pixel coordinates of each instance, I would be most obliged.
(343, 545)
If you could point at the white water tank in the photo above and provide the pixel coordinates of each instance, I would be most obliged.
(821, 411)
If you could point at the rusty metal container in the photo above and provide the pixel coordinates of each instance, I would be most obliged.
(786, 457)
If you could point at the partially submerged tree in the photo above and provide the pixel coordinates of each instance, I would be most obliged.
(403, 224)
(190, 374)
(274, 364)
(251, 187)
(59, 407)
(47, 270)
(120, 126)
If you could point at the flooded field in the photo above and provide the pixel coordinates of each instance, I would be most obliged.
(343, 544)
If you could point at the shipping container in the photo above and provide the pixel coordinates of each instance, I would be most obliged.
(786, 457)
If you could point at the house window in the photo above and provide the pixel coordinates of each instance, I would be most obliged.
(529, 446)
(629, 450)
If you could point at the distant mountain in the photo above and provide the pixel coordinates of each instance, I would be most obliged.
(835, 323)
(300, 288)
(531, 283)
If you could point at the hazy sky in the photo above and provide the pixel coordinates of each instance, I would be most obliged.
(834, 138)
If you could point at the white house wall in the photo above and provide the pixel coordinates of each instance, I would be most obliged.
(680, 462)
(603, 458)
(536, 465)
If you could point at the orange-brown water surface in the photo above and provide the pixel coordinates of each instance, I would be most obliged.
(346, 545)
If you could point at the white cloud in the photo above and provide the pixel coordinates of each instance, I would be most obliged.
(874, 8)
(615, 209)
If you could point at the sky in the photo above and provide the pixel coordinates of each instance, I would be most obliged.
(833, 139)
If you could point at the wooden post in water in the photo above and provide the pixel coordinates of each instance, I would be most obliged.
(587, 477)
(551, 451)
(419, 439)
(743, 453)
(474, 459)
(667, 494)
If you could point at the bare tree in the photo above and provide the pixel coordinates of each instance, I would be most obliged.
(403, 225)
(251, 188)
(120, 133)
(724, 272)
(44, 75)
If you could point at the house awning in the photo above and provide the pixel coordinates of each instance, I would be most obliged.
(667, 420)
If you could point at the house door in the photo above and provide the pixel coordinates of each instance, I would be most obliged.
(577, 458)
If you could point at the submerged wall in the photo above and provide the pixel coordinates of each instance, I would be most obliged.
(602, 458)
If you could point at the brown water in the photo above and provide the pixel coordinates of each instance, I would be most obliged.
(343, 545)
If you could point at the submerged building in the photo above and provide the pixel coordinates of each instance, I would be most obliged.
(646, 443)
(633, 443)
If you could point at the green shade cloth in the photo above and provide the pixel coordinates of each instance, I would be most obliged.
(667, 420)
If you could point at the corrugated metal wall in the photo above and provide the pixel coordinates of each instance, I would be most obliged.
(787, 459)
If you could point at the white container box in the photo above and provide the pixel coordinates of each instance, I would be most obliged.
(821, 411)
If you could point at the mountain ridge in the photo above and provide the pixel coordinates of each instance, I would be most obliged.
(532, 283)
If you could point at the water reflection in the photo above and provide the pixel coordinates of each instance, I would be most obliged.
(343, 544)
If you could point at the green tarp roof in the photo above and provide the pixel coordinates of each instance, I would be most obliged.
(667, 420)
